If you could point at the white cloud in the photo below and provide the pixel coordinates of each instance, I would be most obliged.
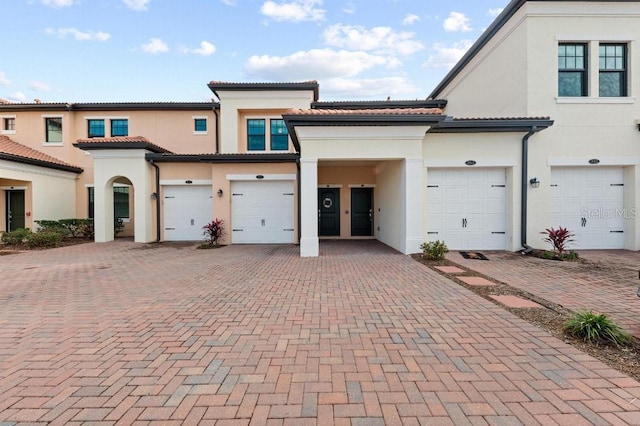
(378, 39)
(294, 10)
(4, 80)
(495, 12)
(349, 8)
(78, 35)
(137, 4)
(154, 46)
(205, 49)
(410, 19)
(446, 56)
(228, 2)
(375, 88)
(39, 86)
(314, 64)
(17, 97)
(57, 3)
(457, 22)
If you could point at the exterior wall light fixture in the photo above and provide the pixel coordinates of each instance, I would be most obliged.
(535, 183)
(220, 192)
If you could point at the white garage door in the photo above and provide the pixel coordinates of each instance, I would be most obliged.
(262, 212)
(186, 210)
(466, 208)
(589, 202)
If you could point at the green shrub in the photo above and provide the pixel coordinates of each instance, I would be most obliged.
(17, 237)
(434, 250)
(87, 229)
(44, 239)
(47, 225)
(73, 226)
(596, 328)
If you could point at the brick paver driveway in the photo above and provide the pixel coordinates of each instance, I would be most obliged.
(127, 333)
(607, 282)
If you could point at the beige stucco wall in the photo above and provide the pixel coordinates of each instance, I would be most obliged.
(344, 177)
(216, 175)
(389, 204)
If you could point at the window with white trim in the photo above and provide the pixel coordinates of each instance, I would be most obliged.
(274, 138)
(53, 130)
(199, 125)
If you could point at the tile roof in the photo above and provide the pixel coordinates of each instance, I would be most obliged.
(13, 151)
(375, 111)
(123, 142)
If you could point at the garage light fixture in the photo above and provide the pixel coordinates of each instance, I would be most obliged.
(535, 183)
(220, 192)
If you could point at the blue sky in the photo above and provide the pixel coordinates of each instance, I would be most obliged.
(168, 50)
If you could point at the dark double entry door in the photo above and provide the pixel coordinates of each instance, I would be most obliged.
(361, 212)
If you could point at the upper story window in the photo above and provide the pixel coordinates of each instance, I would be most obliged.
(199, 125)
(119, 127)
(53, 129)
(279, 135)
(572, 69)
(256, 134)
(8, 125)
(95, 128)
(613, 69)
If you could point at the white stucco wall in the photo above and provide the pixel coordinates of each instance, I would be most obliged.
(110, 165)
(232, 102)
(54, 192)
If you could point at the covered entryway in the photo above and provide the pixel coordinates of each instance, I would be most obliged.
(15, 209)
(466, 208)
(262, 212)
(589, 202)
(329, 212)
(187, 208)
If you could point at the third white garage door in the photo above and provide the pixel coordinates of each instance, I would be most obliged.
(262, 212)
(589, 201)
(466, 208)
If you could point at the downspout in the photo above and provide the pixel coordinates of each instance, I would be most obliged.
(217, 134)
(524, 188)
(157, 199)
(299, 199)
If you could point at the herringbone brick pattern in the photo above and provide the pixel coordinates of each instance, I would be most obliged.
(122, 333)
(607, 282)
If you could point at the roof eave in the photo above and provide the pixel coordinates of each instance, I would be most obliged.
(492, 125)
(90, 146)
(223, 158)
(40, 163)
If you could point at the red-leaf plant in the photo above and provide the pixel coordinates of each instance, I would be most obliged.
(213, 231)
(558, 238)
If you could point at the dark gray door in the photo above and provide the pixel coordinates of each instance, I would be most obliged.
(329, 212)
(15, 210)
(361, 212)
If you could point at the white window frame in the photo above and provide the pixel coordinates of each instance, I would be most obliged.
(2, 130)
(200, 117)
(267, 134)
(44, 117)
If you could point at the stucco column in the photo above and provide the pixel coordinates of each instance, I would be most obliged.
(143, 206)
(309, 243)
(413, 193)
(102, 210)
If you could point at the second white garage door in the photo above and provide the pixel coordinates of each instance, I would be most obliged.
(466, 208)
(589, 201)
(262, 212)
(186, 210)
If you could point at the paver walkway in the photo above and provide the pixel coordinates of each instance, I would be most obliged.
(606, 283)
(122, 333)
